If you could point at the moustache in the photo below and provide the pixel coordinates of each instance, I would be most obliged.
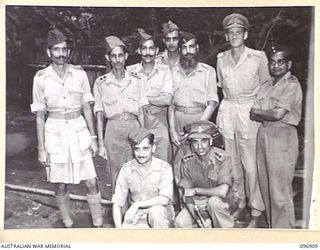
(61, 57)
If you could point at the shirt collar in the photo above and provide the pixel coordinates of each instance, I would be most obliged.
(153, 167)
(111, 79)
(51, 72)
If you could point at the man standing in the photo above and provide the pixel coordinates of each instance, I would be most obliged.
(241, 71)
(119, 97)
(171, 55)
(158, 84)
(205, 181)
(66, 141)
(195, 89)
(145, 181)
(278, 108)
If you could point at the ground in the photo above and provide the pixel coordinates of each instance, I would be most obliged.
(25, 209)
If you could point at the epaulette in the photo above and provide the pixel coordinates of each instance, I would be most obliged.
(133, 67)
(188, 157)
(219, 154)
(40, 72)
(206, 66)
(293, 79)
(134, 74)
(101, 79)
(257, 53)
(163, 67)
(79, 67)
(222, 54)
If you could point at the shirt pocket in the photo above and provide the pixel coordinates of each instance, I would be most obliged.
(83, 135)
(249, 77)
(52, 139)
(109, 97)
(76, 93)
(52, 96)
(199, 96)
(152, 190)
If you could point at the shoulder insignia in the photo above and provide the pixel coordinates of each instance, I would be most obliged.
(134, 74)
(293, 79)
(188, 157)
(220, 55)
(257, 53)
(40, 72)
(206, 66)
(101, 79)
(219, 154)
(79, 67)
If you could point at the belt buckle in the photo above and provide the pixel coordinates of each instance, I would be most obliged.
(124, 116)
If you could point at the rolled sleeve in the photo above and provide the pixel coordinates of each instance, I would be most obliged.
(121, 191)
(38, 103)
(224, 176)
(211, 86)
(97, 99)
(288, 98)
(87, 96)
(166, 184)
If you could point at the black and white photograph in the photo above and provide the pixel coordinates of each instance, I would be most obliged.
(159, 117)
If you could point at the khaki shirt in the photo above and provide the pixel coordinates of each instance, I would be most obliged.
(195, 173)
(159, 81)
(53, 94)
(64, 139)
(115, 97)
(196, 88)
(286, 94)
(158, 180)
(240, 83)
(162, 59)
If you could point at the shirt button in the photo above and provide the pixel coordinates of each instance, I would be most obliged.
(66, 122)
(62, 84)
(64, 97)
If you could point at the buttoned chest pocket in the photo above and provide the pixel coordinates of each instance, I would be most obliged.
(132, 98)
(249, 78)
(76, 93)
(152, 190)
(83, 136)
(109, 95)
(52, 95)
(199, 95)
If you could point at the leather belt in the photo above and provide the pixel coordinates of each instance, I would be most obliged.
(123, 117)
(190, 109)
(65, 116)
(152, 110)
(277, 124)
(240, 100)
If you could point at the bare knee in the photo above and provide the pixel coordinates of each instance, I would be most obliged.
(214, 202)
(61, 189)
(92, 186)
(157, 211)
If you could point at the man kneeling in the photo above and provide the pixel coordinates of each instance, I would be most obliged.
(146, 182)
(205, 181)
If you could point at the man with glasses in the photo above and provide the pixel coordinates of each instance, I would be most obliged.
(278, 109)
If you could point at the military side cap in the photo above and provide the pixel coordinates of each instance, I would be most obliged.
(169, 27)
(113, 42)
(55, 37)
(235, 20)
(277, 47)
(186, 36)
(136, 135)
(143, 36)
(201, 129)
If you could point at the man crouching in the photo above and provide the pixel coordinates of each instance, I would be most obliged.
(205, 181)
(147, 183)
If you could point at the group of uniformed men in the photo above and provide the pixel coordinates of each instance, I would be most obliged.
(157, 112)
